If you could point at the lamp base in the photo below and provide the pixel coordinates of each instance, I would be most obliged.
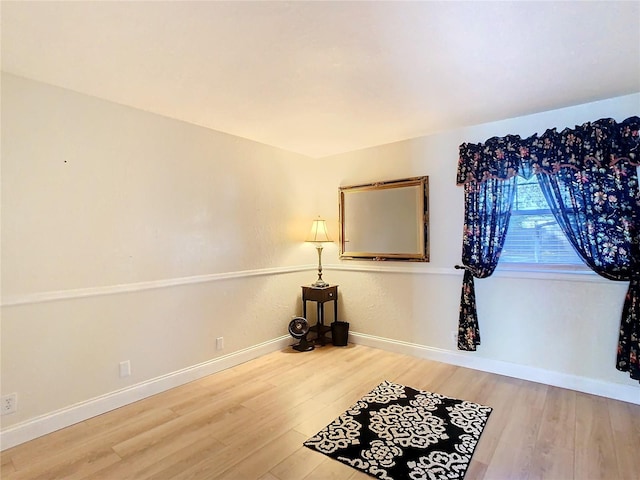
(320, 283)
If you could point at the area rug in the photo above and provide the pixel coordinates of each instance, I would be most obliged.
(399, 433)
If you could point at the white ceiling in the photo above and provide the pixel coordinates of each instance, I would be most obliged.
(326, 77)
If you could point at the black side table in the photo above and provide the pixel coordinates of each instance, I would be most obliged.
(320, 295)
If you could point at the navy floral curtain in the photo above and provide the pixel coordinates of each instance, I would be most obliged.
(487, 172)
(590, 181)
(589, 177)
(487, 213)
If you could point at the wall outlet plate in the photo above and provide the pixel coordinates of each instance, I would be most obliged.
(125, 369)
(9, 404)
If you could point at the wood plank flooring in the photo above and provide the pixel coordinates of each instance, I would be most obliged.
(249, 422)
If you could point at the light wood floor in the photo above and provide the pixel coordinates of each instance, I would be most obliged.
(249, 422)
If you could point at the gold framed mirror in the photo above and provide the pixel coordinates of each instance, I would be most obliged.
(385, 220)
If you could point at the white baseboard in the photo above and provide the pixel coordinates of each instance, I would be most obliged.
(67, 416)
(36, 427)
(625, 393)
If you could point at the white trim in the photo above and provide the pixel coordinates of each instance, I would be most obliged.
(36, 427)
(378, 267)
(29, 298)
(394, 267)
(625, 393)
(535, 273)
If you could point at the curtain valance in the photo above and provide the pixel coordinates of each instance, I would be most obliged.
(602, 144)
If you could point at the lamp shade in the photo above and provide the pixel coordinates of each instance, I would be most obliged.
(318, 232)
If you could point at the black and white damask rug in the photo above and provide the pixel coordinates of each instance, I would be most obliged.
(399, 433)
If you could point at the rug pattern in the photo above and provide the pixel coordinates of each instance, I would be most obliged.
(398, 433)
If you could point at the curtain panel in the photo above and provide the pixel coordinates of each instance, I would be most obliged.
(588, 176)
(487, 214)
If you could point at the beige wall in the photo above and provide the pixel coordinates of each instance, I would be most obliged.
(562, 323)
(134, 222)
(129, 236)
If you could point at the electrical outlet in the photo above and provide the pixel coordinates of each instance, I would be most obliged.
(9, 404)
(125, 369)
(219, 343)
(454, 336)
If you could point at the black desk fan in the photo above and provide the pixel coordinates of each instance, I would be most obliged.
(299, 328)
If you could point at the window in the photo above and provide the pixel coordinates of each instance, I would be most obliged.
(534, 236)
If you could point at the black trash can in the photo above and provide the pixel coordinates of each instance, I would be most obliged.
(340, 333)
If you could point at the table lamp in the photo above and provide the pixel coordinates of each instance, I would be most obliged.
(319, 235)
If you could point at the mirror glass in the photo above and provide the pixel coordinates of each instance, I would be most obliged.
(385, 220)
